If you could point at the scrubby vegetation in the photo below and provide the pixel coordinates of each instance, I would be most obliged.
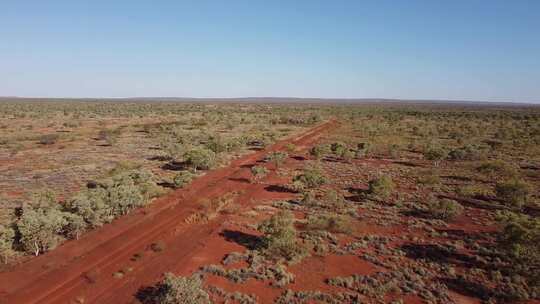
(419, 203)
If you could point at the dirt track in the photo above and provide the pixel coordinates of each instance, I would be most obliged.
(84, 268)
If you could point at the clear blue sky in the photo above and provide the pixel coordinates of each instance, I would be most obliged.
(476, 50)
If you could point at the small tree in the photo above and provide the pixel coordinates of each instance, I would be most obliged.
(7, 236)
(381, 187)
(258, 172)
(200, 158)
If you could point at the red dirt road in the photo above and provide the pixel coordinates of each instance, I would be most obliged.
(83, 270)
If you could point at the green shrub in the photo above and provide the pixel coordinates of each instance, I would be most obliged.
(515, 192)
(113, 197)
(92, 205)
(520, 240)
(474, 190)
(277, 158)
(216, 144)
(124, 195)
(312, 177)
(333, 200)
(181, 179)
(200, 158)
(279, 239)
(258, 172)
(76, 225)
(309, 198)
(429, 178)
(381, 187)
(319, 151)
(465, 153)
(182, 290)
(338, 148)
(7, 237)
(41, 228)
(435, 154)
(445, 209)
(497, 168)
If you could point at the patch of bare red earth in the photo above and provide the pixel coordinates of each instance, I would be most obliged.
(83, 269)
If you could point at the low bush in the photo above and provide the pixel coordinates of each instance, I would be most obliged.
(311, 177)
(200, 158)
(181, 290)
(444, 209)
(333, 200)
(319, 151)
(520, 240)
(7, 237)
(381, 187)
(436, 155)
(277, 158)
(258, 172)
(515, 192)
(279, 240)
(468, 152)
(182, 179)
(497, 168)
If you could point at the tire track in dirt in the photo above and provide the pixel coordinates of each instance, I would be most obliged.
(103, 251)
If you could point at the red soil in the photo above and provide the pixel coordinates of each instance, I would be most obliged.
(83, 270)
